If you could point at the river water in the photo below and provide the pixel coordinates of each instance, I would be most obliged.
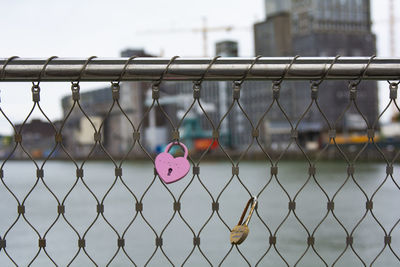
(119, 211)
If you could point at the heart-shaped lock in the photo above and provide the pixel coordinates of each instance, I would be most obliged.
(172, 169)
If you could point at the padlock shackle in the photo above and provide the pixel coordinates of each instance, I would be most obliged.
(253, 201)
(168, 147)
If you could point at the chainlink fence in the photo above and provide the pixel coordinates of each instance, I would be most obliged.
(304, 135)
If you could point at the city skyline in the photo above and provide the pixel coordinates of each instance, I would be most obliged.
(65, 37)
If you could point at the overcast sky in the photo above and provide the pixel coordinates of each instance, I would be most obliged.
(103, 28)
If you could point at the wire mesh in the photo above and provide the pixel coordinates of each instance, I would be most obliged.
(186, 226)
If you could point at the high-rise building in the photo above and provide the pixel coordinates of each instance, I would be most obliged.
(315, 27)
(320, 28)
(273, 7)
(230, 129)
(116, 131)
(273, 35)
(215, 98)
(331, 27)
(226, 49)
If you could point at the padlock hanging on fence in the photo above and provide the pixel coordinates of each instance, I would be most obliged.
(172, 169)
(240, 232)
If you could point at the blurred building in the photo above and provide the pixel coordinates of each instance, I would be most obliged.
(195, 130)
(276, 7)
(315, 28)
(115, 126)
(227, 48)
(132, 98)
(78, 131)
(320, 28)
(272, 37)
(37, 138)
(326, 28)
(6, 145)
(130, 52)
(216, 96)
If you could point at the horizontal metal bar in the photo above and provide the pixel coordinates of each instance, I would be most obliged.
(266, 68)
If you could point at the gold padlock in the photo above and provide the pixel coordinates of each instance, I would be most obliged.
(241, 230)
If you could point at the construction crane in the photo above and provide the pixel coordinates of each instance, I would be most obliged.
(392, 22)
(392, 41)
(204, 30)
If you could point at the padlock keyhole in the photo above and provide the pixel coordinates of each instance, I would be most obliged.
(169, 171)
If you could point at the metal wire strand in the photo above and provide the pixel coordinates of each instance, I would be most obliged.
(357, 81)
(158, 82)
(84, 66)
(43, 71)
(394, 83)
(317, 83)
(279, 81)
(3, 69)
(199, 81)
(123, 72)
(241, 80)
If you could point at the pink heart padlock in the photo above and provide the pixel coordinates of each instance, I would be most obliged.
(172, 169)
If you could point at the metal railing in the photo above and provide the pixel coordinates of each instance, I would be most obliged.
(162, 78)
(150, 69)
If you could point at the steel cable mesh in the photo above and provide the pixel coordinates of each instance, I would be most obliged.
(136, 213)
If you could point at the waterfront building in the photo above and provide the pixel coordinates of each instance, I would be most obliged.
(115, 126)
(320, 28)
(78, 132)
(37, 138)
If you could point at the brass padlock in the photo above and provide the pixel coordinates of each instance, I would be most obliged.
(241, 231)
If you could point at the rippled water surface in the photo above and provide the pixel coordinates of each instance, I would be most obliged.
(177, 229)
